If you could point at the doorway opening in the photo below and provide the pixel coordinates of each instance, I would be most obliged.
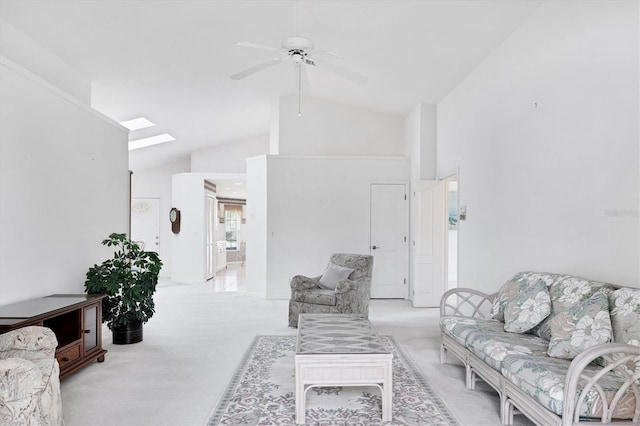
(451, 234)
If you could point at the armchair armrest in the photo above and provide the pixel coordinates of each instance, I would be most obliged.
(345, 286)
(302, 283)
(30, 343)
(466, 302)
(581, 384)
(22, 380)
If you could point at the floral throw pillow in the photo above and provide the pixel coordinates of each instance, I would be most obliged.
(583, 325)
(625, 314)
(528, 308)
(509, 290)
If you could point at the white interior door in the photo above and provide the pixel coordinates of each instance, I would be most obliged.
(145, 223)
(388, 240)
(428, 243)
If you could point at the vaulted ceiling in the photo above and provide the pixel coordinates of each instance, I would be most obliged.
(170, 61)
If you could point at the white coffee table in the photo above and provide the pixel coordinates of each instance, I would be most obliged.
(340, 350)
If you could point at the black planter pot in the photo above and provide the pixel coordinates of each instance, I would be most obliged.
(127, 334)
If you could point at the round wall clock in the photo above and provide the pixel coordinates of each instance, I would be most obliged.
(174, 217)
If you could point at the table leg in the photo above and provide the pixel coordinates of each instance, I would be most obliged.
(387, 394)
(300, 401)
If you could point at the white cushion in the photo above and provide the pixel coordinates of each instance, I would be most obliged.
(332, 275)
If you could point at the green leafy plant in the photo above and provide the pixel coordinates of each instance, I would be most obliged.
(129, 279)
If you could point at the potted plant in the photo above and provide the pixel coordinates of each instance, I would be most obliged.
(129, 280)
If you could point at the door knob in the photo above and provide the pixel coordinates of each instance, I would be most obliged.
(375, 247)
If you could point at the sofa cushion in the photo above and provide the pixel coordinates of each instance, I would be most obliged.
(528, 308)
(459, 328)
(566, 291)
(583, 325)
(625, 315)
(543, 378)
(492, 347)
(332, 275)
(316, 296)
(510, 290)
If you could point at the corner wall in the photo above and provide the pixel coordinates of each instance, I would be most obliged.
(545, 132)
(64, 187)
(315, 206)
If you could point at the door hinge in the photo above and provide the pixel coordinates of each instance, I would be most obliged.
(405, 280)
(405, 239)
(405, 197)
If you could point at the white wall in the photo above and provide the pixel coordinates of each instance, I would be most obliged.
(256, 227)
(316, 206)
(230, 157)
(333, 129)
(188, 246)
(156, 183)
(545, 132)
(420, 138)
(64, 187)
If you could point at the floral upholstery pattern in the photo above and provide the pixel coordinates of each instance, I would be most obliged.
(493, 347)
(585, 316)
(528, 308)
(624, 304)
(580, 327)
(543, 379)
(351, 295)
(566, 291)
(460, 328)
(318, 297)
(29, 378)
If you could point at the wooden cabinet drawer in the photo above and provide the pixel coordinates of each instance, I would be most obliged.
(68, 355)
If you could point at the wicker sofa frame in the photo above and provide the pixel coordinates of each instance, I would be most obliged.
(475, 304)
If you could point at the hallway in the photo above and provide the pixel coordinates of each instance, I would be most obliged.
(230, 279)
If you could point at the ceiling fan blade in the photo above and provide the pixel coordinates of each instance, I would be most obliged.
(257, 46)
(342, 71)
(242, 74)
(327, 52)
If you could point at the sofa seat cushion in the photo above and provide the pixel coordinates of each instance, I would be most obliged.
(492, 347)
(316, 296)
(543, 378)
(459, 328)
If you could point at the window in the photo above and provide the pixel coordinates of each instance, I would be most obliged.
(232, 218)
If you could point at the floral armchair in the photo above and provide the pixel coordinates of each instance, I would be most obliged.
(344, 288)
(29, 378)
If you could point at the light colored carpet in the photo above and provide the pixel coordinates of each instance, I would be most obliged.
(262, 393)
(195, 341)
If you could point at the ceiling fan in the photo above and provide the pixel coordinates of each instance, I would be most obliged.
(301, 52)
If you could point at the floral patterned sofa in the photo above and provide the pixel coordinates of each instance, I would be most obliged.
(561, 349)
(29, 378)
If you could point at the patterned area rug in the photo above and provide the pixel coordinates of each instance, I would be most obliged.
(262, 393)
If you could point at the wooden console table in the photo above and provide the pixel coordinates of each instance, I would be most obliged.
(76, 319)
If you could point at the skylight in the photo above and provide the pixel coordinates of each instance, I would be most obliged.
(153, 140)
(137, 123)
